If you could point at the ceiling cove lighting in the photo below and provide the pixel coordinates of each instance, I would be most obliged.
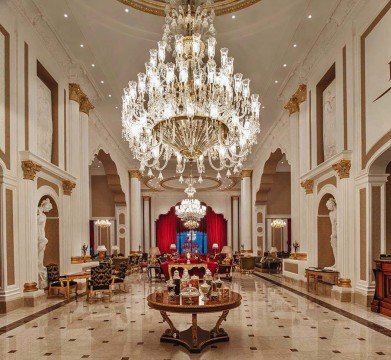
(188, 104)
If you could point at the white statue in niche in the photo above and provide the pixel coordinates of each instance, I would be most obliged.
(329, 121)
(45, 207)
(332, 207)
(44, 121)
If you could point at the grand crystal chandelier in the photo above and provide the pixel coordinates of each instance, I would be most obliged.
(187, 106)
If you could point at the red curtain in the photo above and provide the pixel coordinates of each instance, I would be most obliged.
(168, 225)
(166, 229)
(216, 229)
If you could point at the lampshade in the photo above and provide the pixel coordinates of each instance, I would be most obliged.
(154, 251)
(215, 246)
(273, 249)
(226, 250)
(173, 247)
(101, 248)
(115, 248)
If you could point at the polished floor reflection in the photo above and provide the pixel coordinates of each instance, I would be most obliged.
(272, 323)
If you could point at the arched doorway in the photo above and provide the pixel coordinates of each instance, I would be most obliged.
(107, 202)
(170, 230)
(273, 200)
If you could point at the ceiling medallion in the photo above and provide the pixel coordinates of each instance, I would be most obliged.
(187, 107)
(156, 7)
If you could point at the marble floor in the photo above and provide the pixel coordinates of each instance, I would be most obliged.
(272, 323)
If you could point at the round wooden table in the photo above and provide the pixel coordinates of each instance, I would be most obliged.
(194, 338)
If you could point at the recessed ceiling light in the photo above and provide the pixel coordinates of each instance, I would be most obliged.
(309, 16)
(263, 107)
(233, 17)
(109, 95)
(81, 45)
(93, 65)
(65, 15)
(116, 107)
(294, 45)
(284, 65)
(102, 82)
(126, 10)
(276, 81)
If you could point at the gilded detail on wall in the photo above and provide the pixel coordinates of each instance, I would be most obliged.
(30, 169)
(308, 186)
(329, 121)
(44, 121)
(342, 168)
(68, 186)
(2, 92)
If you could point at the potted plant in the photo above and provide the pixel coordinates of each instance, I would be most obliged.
(295, 245)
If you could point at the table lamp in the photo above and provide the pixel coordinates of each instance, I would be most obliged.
(215, 247)
(101, 249)
(153, 253)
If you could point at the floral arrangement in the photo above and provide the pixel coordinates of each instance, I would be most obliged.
(295, 245)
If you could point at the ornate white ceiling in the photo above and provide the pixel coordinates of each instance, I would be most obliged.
(117, 42)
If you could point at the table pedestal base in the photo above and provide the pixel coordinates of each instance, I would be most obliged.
(194, 339)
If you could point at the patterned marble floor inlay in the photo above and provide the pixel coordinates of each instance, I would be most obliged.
(277, 323)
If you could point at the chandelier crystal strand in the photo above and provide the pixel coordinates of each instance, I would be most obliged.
(185, 105)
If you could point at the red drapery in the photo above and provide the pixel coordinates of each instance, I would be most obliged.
(216, 229)
(166, 229)
(168, 225)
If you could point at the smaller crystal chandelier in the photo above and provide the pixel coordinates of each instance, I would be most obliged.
(190, 211)
(103, 223)
(278, 224)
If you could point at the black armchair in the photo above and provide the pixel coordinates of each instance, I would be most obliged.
(101, 281)
(58, 282)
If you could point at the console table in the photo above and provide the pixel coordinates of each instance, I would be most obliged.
(382, 299)
(318, 274)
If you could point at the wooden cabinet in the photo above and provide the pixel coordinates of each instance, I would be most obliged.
(382, 300)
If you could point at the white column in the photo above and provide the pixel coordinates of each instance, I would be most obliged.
(295, 175)
(147, 222)
(28, 220)
(84, 174)
(235, 223)
(245, 210)
(66, 246)
(136, 232)
(74, 145)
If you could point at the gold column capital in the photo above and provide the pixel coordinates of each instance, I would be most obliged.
(85, 105)
(30, 169)
(68, 186)
(146, 198)
(342, 167)
(308, 186)
(296, 99)
(75, 92)
(235, 197)
(246, 173)
(135, 174)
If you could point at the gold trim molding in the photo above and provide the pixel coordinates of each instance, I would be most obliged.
(344, 283)
(77, 94)
(135, 174)
(246, 173)
(156, 7)
(68, 186)
(342, 167)
(308, 186)
(293, 105)
(30, 169)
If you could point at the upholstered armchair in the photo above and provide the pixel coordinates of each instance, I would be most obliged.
(119, 279)
(247, 264)
(57, 282)
(101, 281)
(134, 263)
